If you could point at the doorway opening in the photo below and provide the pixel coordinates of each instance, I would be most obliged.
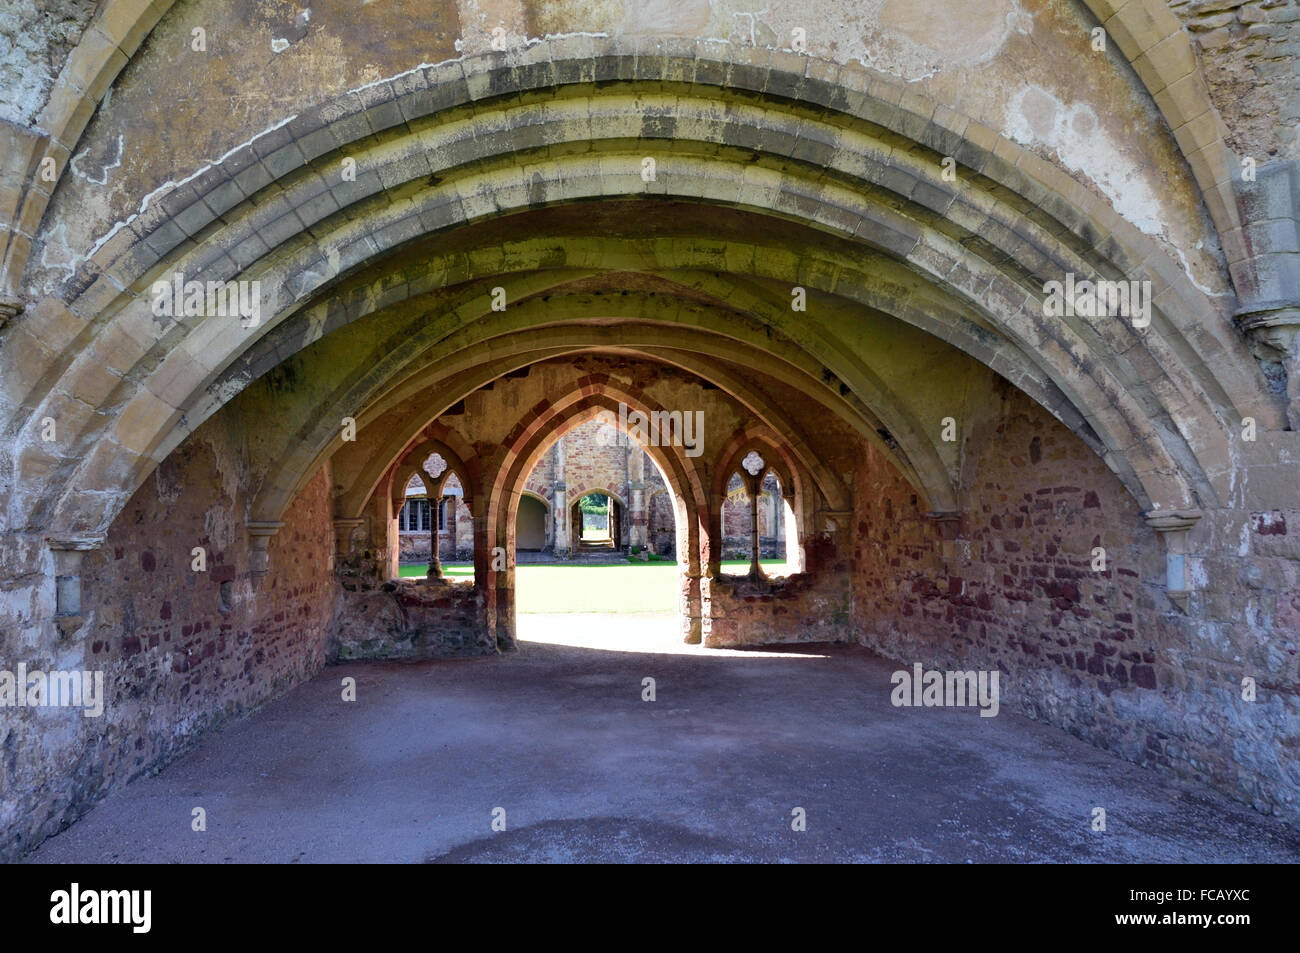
(606, 568)
(598, 523)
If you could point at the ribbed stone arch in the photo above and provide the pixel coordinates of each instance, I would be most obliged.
(1148, 35)
(308, 263)
(1160, 51)
(538, 497)
(468, 372)
(1205, 435)
(726, 288)
(531, 438)
(412, 461)
(408, 451)
(540, 310)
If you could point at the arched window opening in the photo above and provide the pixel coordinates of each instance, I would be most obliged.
(774, 516)
(413, 521)
(736, 529)
(595, 510)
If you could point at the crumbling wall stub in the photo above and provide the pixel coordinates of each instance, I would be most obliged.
(813, 606)
(409, 619)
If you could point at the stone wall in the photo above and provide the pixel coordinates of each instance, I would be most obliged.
(36, 37)
(1248, 51)
(1016, 591)
(592, 461)
(181, 651)
(806, 607)
(661, 532)
(410, 619)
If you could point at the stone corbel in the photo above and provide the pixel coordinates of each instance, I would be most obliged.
(1279, 331)
(259, 535)
(68, 555)
(10, 308)
(833, 521)
(1174, 526)
(949, 523)
(343, 531)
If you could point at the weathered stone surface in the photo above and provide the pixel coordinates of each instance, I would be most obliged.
(828, 228)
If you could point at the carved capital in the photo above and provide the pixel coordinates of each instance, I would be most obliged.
(1277, 328)
(259, 535)
(1172, 521)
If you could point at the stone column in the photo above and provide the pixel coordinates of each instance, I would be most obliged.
(560, 503)
(343, 530)
(435, 561)
(494, 580)
(68, 554)
(453, 525)
(755, 486)
(560, 519)
(638, 519)
(1279, 332)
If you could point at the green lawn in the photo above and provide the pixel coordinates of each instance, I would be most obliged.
(622, 587)
(452, 570)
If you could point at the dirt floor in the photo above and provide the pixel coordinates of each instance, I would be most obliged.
(559, 737)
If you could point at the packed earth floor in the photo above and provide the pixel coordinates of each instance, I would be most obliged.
(713, 769)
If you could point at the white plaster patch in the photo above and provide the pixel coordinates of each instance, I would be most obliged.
(310, 280)
(1187, 268)
(1198, 573)
(55, 253)
(103, 178)
(679, 17)
(219, 525)
(36, 39)
(1037, 118)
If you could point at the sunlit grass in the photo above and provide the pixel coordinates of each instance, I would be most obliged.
(631, 586)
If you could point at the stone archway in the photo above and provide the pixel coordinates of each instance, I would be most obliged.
(534, 514)
(848, 268)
